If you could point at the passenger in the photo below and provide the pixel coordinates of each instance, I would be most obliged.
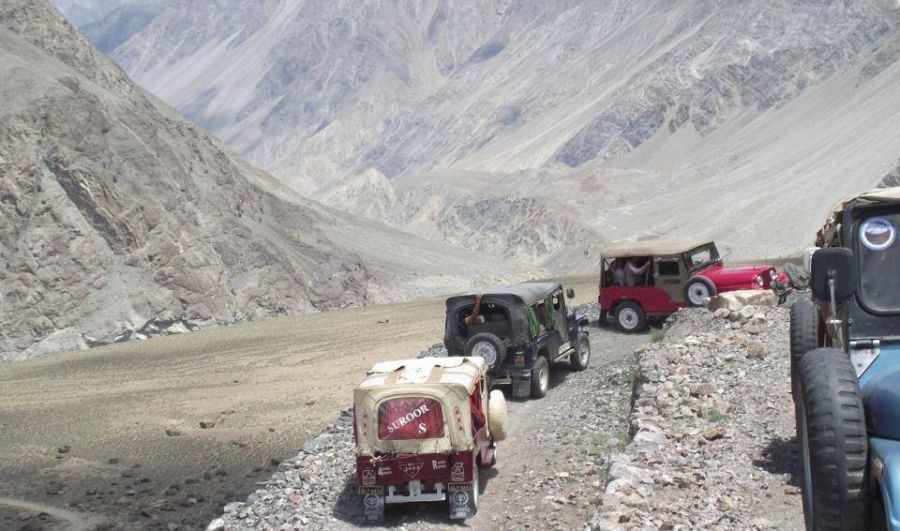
(635, 272)
(618, 271)
(473, 317)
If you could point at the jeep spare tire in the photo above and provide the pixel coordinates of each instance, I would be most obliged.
(698, 289)
(497, 415)
(833, 445)
(630, 317)
(487, 346)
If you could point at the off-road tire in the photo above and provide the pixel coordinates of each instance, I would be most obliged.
(640, 318)
(831, 434)
(804, 335)
(497, 415)
(581, 358)
(498, 344)
(694, 282)
(540, 377)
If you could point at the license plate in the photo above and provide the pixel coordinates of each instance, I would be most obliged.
(459, 487)
(371, 490)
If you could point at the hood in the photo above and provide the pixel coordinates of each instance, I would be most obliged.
(881, 396)
(719, 272)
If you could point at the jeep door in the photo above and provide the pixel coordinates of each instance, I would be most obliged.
(671, 276)
(551, 322)
(568, 331)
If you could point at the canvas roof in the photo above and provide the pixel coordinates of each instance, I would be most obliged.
(650, 248)
(458, 370)
(528, 292)
(828, 234)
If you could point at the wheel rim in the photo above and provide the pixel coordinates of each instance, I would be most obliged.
(584, 353)
(698, 293)
(628, 318)
(807, 467)
(545, 377)
(486, 350)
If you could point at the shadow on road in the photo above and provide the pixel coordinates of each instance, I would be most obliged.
(780, 457)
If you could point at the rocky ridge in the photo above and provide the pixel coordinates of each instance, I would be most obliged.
(712, 428)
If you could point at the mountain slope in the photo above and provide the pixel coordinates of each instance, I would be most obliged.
(646, 108)
(119, 219)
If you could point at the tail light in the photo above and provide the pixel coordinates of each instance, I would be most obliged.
(410, 418)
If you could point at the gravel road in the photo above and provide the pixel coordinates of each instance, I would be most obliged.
(549, 473)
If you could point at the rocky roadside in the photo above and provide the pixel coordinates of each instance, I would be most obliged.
(550, 473)
(713, 443)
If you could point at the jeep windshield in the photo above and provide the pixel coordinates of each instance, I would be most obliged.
(703, 256)
(879, 260)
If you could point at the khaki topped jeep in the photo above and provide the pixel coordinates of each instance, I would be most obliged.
(423, 427)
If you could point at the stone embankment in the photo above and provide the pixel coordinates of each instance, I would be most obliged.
(712, 426)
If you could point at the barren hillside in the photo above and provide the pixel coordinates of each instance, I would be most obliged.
(119, 219)
(613, 119)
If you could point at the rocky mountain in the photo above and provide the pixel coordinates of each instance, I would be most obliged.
(84, 12)
(119, 219)
(616, 119)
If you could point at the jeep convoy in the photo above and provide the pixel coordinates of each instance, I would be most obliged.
(424, 427)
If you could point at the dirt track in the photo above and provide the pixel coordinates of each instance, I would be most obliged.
(267, 386)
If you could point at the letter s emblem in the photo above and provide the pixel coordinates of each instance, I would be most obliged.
(423, 428)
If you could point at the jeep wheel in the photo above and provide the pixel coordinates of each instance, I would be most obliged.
(540, 378)
(804, 335)
(488, 346)
(630, 317)
(581, 358)
(698, 290)
(832, 438)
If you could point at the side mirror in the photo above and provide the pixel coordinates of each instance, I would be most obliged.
(570, 293)
(807, 259)
(837, 266)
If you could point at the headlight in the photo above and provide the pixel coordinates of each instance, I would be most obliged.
(772, 274)
(759, 280)
(877, 234)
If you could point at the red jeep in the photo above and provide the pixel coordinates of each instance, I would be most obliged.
(654, 279)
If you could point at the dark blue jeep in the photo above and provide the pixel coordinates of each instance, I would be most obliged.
(520, 330)
(845, 368)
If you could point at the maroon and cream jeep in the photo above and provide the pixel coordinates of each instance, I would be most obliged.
(423, 427)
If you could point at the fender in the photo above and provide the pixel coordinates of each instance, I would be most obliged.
(884, 468)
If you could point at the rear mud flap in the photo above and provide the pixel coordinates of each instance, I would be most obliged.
(521, 386)
(373, 503)
(461, 498)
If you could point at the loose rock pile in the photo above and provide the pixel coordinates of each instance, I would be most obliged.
(713, 442)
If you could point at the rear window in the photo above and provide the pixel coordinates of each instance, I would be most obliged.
(402, 419)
